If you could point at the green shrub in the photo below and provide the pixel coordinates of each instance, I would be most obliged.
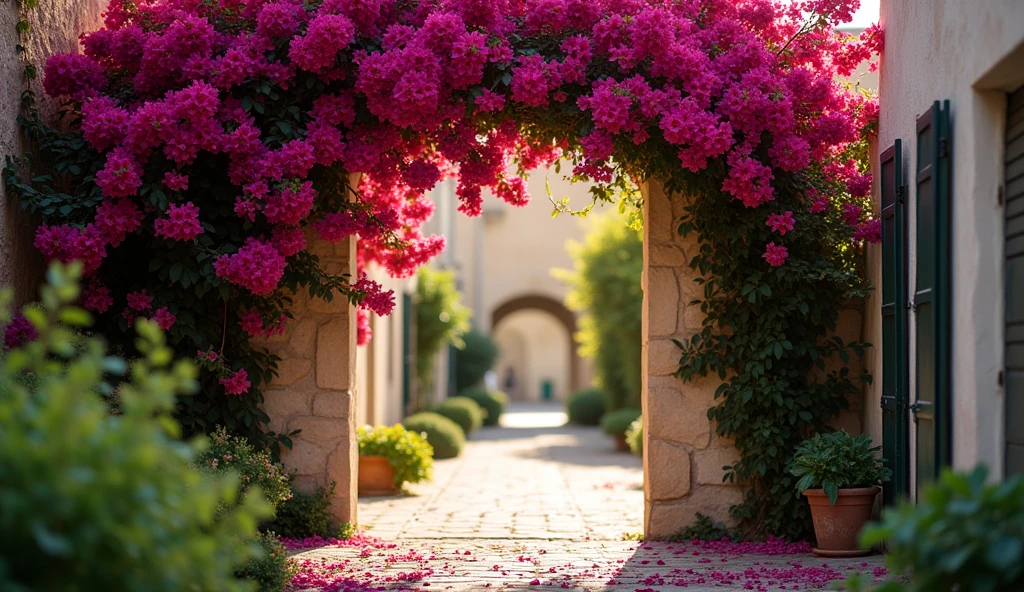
(464, 411)
(835, 460)
(270, 570)
(492, 402)
(227, 453)
(604, 288)
(704, 528)
(616, 423)
(441, 320)
(962, 534)
(474, 359)
(407, 451)
(585, 407)
(443, 434)
(308, 514)
(635, 437)
(94, 501)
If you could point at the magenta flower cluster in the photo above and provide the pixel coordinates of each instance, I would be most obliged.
(409, 94)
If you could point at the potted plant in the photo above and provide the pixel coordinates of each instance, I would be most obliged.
(840, 475)
(615, 423)
(390, 457)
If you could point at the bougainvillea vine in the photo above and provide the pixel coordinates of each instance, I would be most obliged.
(207, 143)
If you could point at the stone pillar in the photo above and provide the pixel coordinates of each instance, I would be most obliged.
(683, 458)
(315, 387)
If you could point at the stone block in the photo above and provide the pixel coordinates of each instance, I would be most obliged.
(290, 370)
(305, 458)
(302, 337)
(847, 420)
(321, 431)
(662, 357)
(663, 519)
(335, 354)
(666, 256)
(666, 470)
(849, 325)
(285, 403)
(659, 223)
(339, 304)
(674, 414)
(332, 404)
(342, 470)
(708, 464)
(661, 301)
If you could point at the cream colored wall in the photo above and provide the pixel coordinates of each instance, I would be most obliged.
(537, 346)
(379, 363)
(55, 27)
(961, 51)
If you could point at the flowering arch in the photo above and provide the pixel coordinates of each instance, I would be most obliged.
(209, 141)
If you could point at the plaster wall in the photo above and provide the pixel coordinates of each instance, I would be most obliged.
(55, 27)
(536, 345)
(970, 53)
(379, 363)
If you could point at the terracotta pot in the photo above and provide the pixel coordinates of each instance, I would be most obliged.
(620, 443)
(837, 527)
(376, 476)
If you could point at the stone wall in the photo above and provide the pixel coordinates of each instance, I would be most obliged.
(683, 458)
(55, 28)
(315, 387)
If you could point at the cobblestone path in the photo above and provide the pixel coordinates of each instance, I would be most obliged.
(535, 504)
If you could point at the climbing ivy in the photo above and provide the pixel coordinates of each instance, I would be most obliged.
(769, 334)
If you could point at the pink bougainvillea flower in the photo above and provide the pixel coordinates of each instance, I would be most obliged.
(236, 384)
(181, 223)
(19, 331)
(374, 299)
(140, 301)
(257, 266)
(781, 223)
(775, 255)
(870, 231)
(164, 319)
(96, 297)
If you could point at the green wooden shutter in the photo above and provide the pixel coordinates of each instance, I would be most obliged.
(894, 323)
(408, 351)
(932, 294)
(1014, 274)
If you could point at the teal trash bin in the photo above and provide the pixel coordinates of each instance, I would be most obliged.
(547, 390)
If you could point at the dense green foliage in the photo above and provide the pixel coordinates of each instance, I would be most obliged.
(616, 423)
(604, 288)
(308, 514)
(444, 435)
(635, 437)
(768, 333)
(407, 451)
(586, 407)
(963, 534)
(94, 501)
(271, 570)
(227, 453)
(492, 402)
(474, 359)
(835, 460)
(464, 411)
(441, 320)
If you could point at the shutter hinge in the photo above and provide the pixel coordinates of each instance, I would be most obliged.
(1000, 379)
(943, 148)
(1000, 197)
(912, 305)
(901, 193)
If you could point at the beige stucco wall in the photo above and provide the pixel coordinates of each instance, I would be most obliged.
(536, 345)
(961, 51)
(55, 28)
(379, 363)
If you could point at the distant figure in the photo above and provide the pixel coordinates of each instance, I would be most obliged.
(491, 380)
(510, 382)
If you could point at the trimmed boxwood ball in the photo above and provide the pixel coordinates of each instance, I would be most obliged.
(464, 411)
(444, 435)
(615, 423)
(586, 407)
(492, 402)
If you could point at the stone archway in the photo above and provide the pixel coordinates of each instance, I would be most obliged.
(556, 309)
(683, 460)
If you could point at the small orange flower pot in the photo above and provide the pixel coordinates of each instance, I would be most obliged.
(376, 476)
(837, 526)
(620, 443)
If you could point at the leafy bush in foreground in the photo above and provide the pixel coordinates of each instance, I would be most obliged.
(90, 500)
